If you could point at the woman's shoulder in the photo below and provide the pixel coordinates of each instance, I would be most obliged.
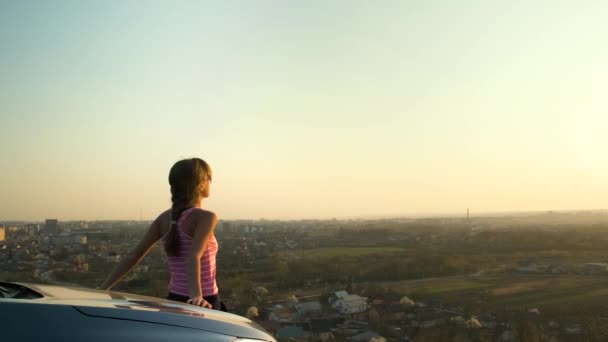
(204, 220)
(202, 214)
(164, 216)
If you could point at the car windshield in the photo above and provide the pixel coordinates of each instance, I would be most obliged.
(16, 291)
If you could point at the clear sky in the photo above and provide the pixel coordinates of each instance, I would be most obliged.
(304, 109)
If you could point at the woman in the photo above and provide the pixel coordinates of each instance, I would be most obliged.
(186, 231)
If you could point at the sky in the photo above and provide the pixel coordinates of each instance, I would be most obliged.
(304, 109)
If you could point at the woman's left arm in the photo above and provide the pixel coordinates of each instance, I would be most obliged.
(134, 257)
(205, 225)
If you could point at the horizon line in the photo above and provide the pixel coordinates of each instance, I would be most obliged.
(459, 214)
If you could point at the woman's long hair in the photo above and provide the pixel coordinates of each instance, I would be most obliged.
(185, 178)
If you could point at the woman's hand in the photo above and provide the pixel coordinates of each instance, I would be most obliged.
(199, 301)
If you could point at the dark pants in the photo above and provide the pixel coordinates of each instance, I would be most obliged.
(213, 300)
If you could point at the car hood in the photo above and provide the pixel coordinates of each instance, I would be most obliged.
(117, 305)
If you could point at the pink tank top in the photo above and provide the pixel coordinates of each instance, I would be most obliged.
(178, 265)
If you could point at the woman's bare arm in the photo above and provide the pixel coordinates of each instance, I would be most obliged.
(205, 224)
(134, 257)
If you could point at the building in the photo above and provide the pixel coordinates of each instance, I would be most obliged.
(283, 314)
(321, 329)
(367, 336)
(51, 226)
(2, 233)
(64, 240)
(596, 267)
(33, 228)
(291, 334)
(309, 309)
(349, 304)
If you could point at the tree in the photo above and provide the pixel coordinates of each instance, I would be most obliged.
(405, 300)
(293, 299)
(261, 291)
(252, 312)
(530, 330)
(472, 323)
(282, 270)
(597, 326)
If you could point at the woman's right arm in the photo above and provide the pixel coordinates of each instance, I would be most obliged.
(134, 257)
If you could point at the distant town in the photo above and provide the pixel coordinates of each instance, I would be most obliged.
(536, 276)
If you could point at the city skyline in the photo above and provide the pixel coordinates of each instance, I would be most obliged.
(411, 216)
(303, 110)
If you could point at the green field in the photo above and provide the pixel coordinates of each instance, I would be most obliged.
(441, 287)
(558, 294)
(331, 252)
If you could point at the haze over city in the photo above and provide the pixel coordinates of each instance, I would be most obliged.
(303, 109)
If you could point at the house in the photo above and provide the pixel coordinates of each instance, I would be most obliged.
(367, 336)
(321, 329)
(271, 326)
(398, 312)
(340, 294)
(378, 300)
(112, 256)
(507, 336)
(573, 330)
(348, 304)
(558, 269)
(257, 243)
(64, 240)
(375, 313)
(355, 324)
(596, 267)
(388, 312)
(284, 314)
(487, 321)
(429, 323)
(532, 268)
(428, 317)
(291, 334)
(309, 309)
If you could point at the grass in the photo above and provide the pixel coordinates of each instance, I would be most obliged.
(551, 293)
(435, 285)
(561, 295)
(331, 252)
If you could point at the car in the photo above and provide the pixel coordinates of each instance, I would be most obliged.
(36, 312)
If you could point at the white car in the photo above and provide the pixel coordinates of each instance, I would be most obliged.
(32, 312)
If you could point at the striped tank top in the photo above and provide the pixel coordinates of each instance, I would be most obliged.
(178, 265)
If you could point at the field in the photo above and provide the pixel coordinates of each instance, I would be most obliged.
(322, 253)
(496, 289)
(555, 294)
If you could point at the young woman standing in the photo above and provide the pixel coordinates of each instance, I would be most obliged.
(187, 233)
